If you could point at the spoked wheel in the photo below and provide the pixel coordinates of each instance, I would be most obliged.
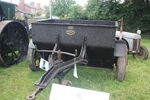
(121, 67)
(34, 59)
(143, 53)
(13, 43)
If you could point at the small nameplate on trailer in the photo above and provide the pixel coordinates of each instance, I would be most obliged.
(70, 30)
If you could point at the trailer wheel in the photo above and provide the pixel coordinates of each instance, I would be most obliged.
(121, 67)
(143, 54)
(34, 59)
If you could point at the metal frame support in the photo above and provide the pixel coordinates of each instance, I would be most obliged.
(58, 69)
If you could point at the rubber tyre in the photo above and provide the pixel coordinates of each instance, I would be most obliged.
(143, 54)
(32, 58)
(121, 67)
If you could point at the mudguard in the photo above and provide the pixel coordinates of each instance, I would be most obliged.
(120, 48)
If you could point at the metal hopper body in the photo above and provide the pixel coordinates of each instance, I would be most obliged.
(69, 35)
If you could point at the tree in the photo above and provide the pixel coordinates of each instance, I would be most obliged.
(76, 12)
(47, 11)
(97, 9)
(138, 15)
(61, 8)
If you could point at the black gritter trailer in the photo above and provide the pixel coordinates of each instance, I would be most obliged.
(67, 42)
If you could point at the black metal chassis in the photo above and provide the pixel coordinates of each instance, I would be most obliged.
(60, 69)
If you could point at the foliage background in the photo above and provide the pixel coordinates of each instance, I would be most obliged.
(136, 13)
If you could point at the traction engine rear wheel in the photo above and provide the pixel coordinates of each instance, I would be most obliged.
(13, 43)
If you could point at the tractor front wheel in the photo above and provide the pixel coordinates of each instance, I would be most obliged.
(143, 53)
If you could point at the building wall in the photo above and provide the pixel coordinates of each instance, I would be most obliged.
(21, 6)
(29, 8)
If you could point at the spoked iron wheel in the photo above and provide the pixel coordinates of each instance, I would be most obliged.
(13, 43)
(34, 59)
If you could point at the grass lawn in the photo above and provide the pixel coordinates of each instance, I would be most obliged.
(16, 82)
